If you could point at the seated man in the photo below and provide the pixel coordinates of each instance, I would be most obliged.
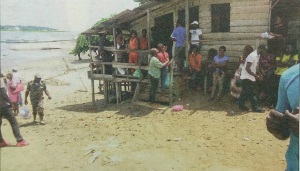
(195, 60)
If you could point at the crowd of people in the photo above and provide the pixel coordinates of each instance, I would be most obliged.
(257, 68)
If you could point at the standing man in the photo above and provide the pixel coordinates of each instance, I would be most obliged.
(36, 89)
(196, 34)
(249, 76)
(179, 36)
(284, 121)
(6, 112)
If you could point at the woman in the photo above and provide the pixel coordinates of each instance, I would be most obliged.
(14, 96)
(133, 45)
(235, 84)
(154, 73)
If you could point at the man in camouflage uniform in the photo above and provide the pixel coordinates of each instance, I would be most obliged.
(36, 89)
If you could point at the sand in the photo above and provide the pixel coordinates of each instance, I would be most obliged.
(208, 136)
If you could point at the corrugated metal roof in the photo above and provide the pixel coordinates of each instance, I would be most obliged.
(125, 17)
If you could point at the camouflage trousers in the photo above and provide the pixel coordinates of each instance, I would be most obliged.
(218, 79)
(37, 107)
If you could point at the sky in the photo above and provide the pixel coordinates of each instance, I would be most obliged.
(65, 15)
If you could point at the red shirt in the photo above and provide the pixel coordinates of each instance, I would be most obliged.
(162, 56)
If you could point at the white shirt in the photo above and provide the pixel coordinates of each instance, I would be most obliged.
(252, 58)
(195, 35)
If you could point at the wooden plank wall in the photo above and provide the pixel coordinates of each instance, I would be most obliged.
(248, 18)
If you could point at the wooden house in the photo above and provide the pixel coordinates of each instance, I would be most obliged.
(230, 23)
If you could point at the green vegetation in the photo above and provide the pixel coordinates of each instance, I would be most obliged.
(141, 1)
(82, 42)
(27, 28)
(82, 45)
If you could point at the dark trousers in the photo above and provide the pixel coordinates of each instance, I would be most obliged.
(153, 88)
(196, 79)
(7, 113)
(249, 89)
(179, 58)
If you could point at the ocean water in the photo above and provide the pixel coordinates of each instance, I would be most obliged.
(19, 36)
(17, 48)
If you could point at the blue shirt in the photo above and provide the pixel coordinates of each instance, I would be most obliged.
(221, 60)
(288, 99)
(179, 35)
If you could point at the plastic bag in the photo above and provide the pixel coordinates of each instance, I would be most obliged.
(24, 112)
(137, 73)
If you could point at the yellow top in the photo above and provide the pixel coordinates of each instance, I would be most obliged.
(285, 58)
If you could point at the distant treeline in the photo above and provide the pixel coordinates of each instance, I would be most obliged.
(26, 28)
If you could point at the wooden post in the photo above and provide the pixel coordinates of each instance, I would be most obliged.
(92, 74)
(116, 59)
(117, 92)
(171, 83)
(187, 24)
(136, 93)
(115, 43)
(148, 27)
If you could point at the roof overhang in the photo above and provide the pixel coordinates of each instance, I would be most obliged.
(124, 18)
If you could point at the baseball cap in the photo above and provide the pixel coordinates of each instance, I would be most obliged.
(38, 76)
(195, 22)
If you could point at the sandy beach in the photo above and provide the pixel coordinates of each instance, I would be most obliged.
(205, 136)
